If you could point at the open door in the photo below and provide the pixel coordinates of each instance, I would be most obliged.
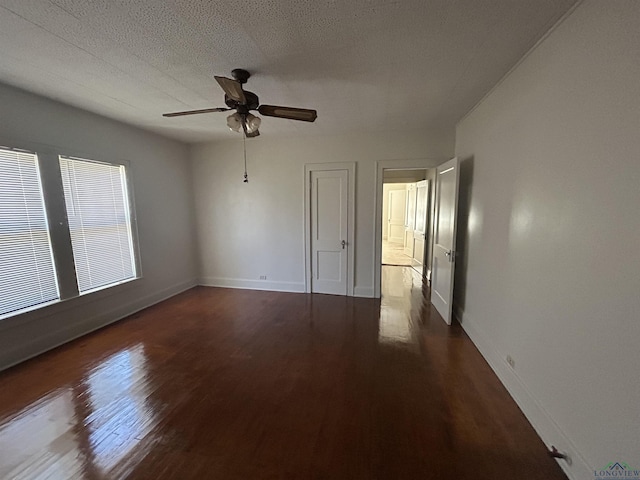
(410, 220)
(444, 238)
(420, 232)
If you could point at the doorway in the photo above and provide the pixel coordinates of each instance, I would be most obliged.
(440, 228)
(413, 248)
(404, 227)
(398, 200)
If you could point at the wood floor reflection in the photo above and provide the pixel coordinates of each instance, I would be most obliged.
(237, 384)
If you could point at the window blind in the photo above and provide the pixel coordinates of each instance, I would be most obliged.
(27, 272)
(99, 222)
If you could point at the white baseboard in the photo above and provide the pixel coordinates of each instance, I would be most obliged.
(365, 292)
(542, 422)
(293, 287)
(48, 341)
(245, 284)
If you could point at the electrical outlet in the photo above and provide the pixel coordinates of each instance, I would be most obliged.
(263, 277)
(511, 361)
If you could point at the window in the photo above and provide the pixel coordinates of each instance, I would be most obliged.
(27, 273)
(90, 244)
(99, 222)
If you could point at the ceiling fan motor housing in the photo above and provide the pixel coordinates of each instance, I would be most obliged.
(240, 75)
(252, 102)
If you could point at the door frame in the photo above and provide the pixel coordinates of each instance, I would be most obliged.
(350, 167)
(381, 166)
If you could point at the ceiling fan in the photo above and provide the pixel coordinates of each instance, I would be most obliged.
(243, 102)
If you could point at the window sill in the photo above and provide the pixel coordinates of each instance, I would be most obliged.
(56, 307)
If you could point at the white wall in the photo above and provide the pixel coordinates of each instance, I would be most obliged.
(161, 177)
(550, 244)
(386, 188)
(254, 229)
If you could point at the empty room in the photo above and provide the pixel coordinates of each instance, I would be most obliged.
(369, 239)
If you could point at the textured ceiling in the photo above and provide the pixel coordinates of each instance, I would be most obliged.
(365, 65)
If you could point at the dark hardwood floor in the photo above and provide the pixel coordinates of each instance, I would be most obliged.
(238, 384)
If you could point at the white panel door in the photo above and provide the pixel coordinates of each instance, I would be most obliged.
(444, 239)
(419, 234)
(410, 220)
(329, 224)
(397, 207)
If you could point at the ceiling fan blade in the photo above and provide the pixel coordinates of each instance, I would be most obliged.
(194, 112)
(232, 88)
(288, 112)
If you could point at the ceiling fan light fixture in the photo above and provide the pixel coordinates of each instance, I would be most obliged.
(253, 123)
(243, 101)
(234, 122)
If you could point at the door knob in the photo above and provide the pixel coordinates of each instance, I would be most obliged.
(343, 243)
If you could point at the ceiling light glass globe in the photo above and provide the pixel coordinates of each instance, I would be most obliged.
(234, 122)
(253, 123)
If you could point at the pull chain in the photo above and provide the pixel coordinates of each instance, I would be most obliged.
(244, 146)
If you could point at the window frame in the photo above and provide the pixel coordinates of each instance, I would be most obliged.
(132, 230)
(49, 243)
(57, 221)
